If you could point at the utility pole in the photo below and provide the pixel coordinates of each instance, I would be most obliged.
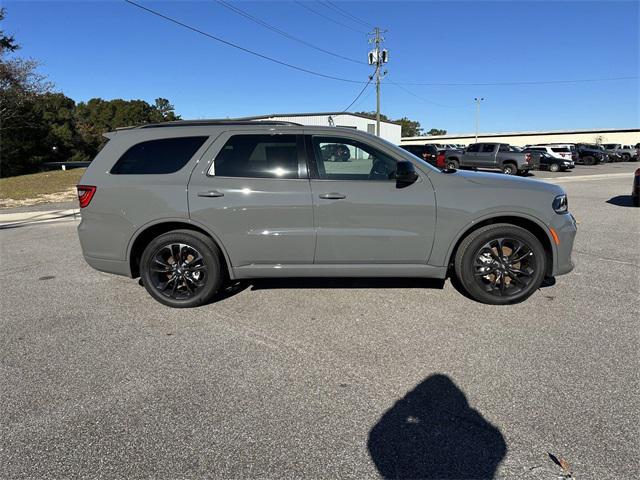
(478, 100)
(378, 58)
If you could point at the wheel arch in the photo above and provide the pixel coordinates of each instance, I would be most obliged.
(533, 225)
(149, 231)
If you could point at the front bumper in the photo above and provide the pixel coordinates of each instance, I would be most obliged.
(566, 228)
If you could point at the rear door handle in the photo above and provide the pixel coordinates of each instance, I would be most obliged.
(211, 194)
(332, 196)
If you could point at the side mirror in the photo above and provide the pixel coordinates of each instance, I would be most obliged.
(405, 174)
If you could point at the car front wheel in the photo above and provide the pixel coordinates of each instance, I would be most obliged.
(500, 264)
(181, 269)
(554, 167)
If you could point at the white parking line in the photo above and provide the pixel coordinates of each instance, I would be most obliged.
(585, 178)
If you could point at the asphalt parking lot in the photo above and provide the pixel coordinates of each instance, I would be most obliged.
(325, 378)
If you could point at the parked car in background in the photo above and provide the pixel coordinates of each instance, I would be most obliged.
(546, 161)
(490, 155)
(427, 152)
(590, 154)
(549, 150)
(635, 191)
(626, 152)
(185, 205)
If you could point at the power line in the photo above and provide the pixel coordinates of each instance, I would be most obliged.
(420, 97)
(344, 13)
(339, 79)
(230, 44)
(532, 82)
(282, 32)
(328, 18)
(359, 95)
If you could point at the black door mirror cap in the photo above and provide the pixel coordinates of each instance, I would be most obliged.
(405, 174)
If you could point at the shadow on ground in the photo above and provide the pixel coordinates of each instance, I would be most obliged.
(621, 201)
(433, 433)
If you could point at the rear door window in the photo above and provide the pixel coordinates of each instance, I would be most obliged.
(162, 156)
(474, 148)
(488, 148)
(258, 156)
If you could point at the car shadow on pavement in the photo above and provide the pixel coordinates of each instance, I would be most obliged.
(433, 433)
(324, 283)
(621, 201)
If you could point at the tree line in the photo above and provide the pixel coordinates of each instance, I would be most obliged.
(410, 128)
(39, 125)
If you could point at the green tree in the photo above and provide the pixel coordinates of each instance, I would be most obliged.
(165, 110)
(436, 131)
(410, 128)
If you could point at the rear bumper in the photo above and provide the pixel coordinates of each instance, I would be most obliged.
(116, 267)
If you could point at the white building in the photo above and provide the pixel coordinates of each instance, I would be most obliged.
(389, 131)
(628, 136)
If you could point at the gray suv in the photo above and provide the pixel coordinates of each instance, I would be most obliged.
(188, 205)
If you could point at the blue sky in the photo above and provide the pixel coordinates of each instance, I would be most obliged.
(111, 49)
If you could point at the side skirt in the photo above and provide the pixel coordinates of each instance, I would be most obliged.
(351, 270)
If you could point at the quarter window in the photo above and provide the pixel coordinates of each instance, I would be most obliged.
(162, 156)
(258, 156)
(474, 148)
(347, 159)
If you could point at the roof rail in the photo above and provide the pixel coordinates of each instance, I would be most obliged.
(204, 123)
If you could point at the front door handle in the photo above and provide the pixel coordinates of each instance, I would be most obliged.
(211, 194)
(332, 196)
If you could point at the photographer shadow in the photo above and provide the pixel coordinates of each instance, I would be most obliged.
(433, 433)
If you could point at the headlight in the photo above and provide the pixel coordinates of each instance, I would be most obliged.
(561, 204)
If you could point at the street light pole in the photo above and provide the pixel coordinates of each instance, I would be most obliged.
(478, 100)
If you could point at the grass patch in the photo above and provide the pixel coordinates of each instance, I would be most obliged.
(35, 185)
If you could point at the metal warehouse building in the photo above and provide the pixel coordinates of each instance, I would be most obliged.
(629, 136)
(388, 130)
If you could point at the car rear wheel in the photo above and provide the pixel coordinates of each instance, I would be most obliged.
(509, 169)
(554, 167)
(453, 164)
(589, 161)
(500, 264)
(181, 269)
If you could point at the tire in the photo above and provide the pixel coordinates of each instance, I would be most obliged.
(626, 157)
(453, 164)
(474, 254)
(509, 169)
(554, 167)
(590, 161)
(192, 286)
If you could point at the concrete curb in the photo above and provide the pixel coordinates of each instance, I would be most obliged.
(11, 220)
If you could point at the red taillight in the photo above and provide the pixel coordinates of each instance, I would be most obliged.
(440, 160)
(527, 157)
(85, 194)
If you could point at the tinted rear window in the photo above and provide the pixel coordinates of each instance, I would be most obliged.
(561, 149)
(166, 155)
(258, 156)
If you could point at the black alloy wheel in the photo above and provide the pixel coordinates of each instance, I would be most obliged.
(181, 268)
(500, 264)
